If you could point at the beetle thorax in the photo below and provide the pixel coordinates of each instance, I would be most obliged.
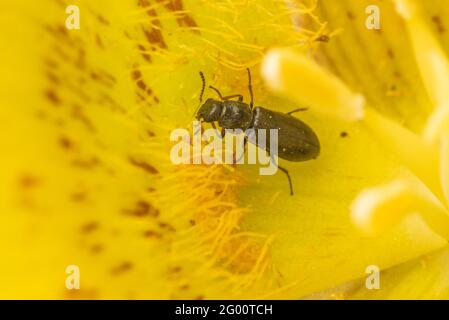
(236, 115)
(210, 111)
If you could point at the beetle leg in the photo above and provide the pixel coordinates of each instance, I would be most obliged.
(200, 129)
(233, 96)
(217, 91)
(250, 88)
(297, 110)
(245, 141)
(227, 97)
(289, 179)
(215, 128)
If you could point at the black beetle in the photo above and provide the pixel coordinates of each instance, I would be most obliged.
(296, 140)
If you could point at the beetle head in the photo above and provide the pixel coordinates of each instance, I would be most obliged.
(210, 111)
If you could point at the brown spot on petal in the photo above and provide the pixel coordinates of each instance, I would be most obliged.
(351, 15)
(150, 133)
(121, 268)
(78, 114)
(53, 78)
(144, 53)
(155, 37)
(150, 11)
(152, 234)
(53, 97)
(136, 74)
(182, 17)
(176, 269)
(50, 63)
(97, 248)
(66, 143)
(103, 20)
(439, 24)
(390, 53)
(141, 84)
(103, 78)
(167, 226)
(78, 196)
(99, 41)
(89, 227)
(28, 181)
(143, 165)
(142, 209)
(89, 163)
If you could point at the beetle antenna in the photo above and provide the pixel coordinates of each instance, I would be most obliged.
(203, 87)
(203, 80)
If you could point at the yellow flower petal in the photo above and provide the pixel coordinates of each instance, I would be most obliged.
(444, 167)
(376, 63)
(423, 278)
(434, 66)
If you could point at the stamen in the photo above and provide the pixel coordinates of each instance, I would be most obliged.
(409, 148)
(304, 80)
(377, 209)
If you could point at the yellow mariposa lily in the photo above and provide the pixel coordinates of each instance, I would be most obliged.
(86, 179)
